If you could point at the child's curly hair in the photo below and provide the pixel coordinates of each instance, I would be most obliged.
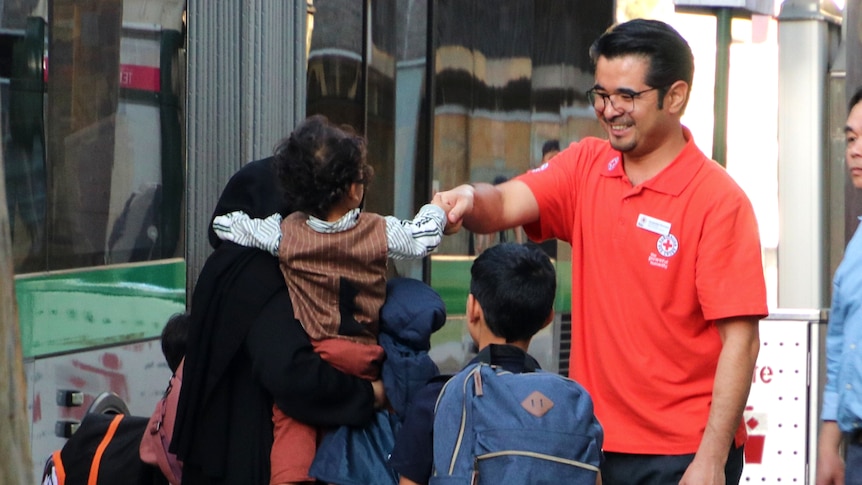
(317, 164)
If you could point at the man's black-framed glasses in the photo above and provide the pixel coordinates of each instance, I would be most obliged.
(623, 100)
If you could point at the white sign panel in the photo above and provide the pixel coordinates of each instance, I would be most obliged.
(776, 415)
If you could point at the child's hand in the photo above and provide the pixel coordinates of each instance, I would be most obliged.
(450, 227)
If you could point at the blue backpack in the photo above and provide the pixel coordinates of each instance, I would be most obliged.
(493, 427)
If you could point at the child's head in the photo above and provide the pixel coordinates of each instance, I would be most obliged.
(174, 339)
(514, 284)
(318, 164)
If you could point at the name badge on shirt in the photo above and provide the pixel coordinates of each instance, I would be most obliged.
(652, 224)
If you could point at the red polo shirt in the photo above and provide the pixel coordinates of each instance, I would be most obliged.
(652, 267)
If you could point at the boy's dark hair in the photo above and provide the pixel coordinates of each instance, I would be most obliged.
(855, 99)
(174, 337)
(317, 164)
(515, 284)
(550, 146)
(669, 55)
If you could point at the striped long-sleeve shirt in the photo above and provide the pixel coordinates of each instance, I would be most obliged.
(406, 239)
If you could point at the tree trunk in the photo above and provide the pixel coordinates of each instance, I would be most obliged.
(15, 460)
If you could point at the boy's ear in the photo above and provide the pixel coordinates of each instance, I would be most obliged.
(355, 193)
(549, 319)
(474, 310)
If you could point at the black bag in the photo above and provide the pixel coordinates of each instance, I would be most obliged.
(104, 451)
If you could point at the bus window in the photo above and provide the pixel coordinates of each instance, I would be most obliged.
(92, 138)
(24, 147)
(92, 155)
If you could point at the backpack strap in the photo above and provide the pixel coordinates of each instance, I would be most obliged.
(59, 469)
(100, 451)
(489, 355)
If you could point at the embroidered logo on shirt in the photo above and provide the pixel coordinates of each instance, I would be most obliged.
(613, 163)
(540, 167)
(657, 261)
(667, 245)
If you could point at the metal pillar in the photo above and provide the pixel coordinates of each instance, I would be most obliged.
(803, 39)
(723, 18)
(246, 90)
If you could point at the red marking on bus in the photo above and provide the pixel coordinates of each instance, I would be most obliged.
(37, 408)
(145, 78)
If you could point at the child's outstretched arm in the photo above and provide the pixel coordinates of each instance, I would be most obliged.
(417, 238)
(238, 228)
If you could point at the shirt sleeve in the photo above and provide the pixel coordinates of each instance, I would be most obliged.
(239, 228)
(417, 238)
(729, 274)
(834, 346)
(555, 185)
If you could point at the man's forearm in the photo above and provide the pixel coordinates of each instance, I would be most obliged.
(486, 210)
(731, 388)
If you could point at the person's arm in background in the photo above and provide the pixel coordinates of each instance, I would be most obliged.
(830, 465)
(303, 385)
(485, 208)
(740, 346)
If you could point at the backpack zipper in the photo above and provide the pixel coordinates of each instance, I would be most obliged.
(532, 454)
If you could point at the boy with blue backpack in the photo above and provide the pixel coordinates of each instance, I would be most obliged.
(502, 419)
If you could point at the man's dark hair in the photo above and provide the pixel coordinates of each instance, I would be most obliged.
(550, 146)
(174, 337)
(669, 55)
(317, 164)
(855, 99)
(515, 284)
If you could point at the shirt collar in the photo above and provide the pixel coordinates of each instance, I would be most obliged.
(674, 178)
(345, 222)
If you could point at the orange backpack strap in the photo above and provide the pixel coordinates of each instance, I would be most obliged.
(97, 458)
(58, 468)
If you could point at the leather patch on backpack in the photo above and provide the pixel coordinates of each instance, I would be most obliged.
(537, 404)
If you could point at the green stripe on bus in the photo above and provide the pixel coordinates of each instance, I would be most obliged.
(75, 310)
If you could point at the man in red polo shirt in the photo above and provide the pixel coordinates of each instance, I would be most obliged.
(667, 280)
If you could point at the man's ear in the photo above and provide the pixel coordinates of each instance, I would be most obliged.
(676, 97)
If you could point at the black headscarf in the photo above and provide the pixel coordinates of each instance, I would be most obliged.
(254, 189)
(234, 285)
